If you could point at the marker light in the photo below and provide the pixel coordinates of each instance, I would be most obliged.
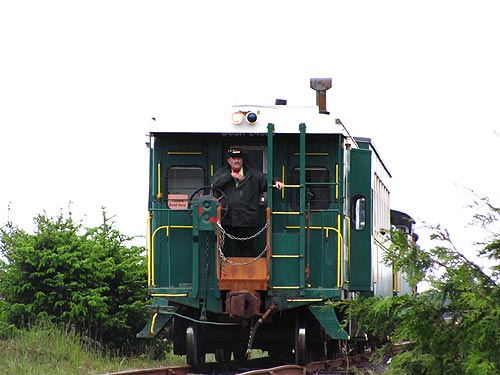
(251, 117)
(237, 118)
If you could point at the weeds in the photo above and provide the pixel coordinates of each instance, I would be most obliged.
(46, 349)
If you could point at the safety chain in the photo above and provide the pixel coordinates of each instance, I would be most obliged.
(223, 235)
(203, 313)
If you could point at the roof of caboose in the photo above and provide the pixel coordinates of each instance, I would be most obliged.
(367, 143)
(286, 119)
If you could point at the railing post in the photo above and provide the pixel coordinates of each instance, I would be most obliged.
(270, 134)
(268, 243)
(302, 233)
(218, 244)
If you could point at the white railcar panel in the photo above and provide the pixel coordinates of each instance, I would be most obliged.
(286, 119)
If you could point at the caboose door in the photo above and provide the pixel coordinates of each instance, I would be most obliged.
(251, 273)
(360, 206)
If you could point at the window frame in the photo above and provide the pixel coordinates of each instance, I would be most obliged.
(358, 212)
(319, 189)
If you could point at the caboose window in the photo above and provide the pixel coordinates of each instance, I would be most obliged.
(185, 180)
(358, 207)
(317, 195)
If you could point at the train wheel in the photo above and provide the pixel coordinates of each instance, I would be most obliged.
(194, 353)
(239, 353)
(282, 354)
(222, 355)
(300, 346)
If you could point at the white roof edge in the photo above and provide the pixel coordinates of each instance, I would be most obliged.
(286, 119)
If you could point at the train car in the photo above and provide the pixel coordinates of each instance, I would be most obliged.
(319, 239)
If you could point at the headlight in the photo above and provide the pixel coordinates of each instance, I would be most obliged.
(251, 117)
(237, 118)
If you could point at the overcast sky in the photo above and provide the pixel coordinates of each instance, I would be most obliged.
(80, 81)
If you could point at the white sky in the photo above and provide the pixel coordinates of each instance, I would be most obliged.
(80, 80)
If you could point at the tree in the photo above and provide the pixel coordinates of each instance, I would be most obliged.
(66, 273)
(453, 327)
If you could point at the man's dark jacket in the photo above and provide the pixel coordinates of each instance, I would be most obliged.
(244, 199)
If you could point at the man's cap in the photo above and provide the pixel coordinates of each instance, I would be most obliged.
(235, 153)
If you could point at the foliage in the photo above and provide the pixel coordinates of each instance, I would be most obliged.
(65, 273)
(451, 328)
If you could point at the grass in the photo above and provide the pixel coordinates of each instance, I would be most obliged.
(47, 350)
(51, 351)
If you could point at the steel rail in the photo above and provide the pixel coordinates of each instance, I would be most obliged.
(332, 366)
(170, 370)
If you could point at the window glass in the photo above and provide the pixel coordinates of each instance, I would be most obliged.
(318, 196)
(359, 212)
(185, 180)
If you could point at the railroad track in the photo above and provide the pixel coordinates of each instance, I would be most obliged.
(170, 370)
(334, 366)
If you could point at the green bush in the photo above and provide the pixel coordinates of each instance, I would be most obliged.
(452, 327)
(66, 273)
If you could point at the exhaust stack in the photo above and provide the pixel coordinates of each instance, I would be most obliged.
(320, 85)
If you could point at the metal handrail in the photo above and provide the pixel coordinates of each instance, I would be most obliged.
(340, 246)
(151, 252)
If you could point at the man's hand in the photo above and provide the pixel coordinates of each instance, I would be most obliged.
(237, 176)
(279, 185)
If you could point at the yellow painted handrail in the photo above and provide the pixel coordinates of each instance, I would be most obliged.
(148, 248)
(159, 194)
(177, 227)
(283, 180)
(340, 253)
(151, 267)
(312, 153)
(153, 322)
(184, 153)
(152, 257)
(327, 229)
(340, 256)
(336, 181)
(169, 295)
(396, 279)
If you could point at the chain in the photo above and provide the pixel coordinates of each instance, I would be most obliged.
(229, 235)
(203, 314)
(223, 235)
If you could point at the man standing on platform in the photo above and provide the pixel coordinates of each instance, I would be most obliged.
(243, 188)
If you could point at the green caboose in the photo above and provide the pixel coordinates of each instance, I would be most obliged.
(319, 239)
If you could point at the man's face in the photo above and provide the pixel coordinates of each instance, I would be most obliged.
(235, 163)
